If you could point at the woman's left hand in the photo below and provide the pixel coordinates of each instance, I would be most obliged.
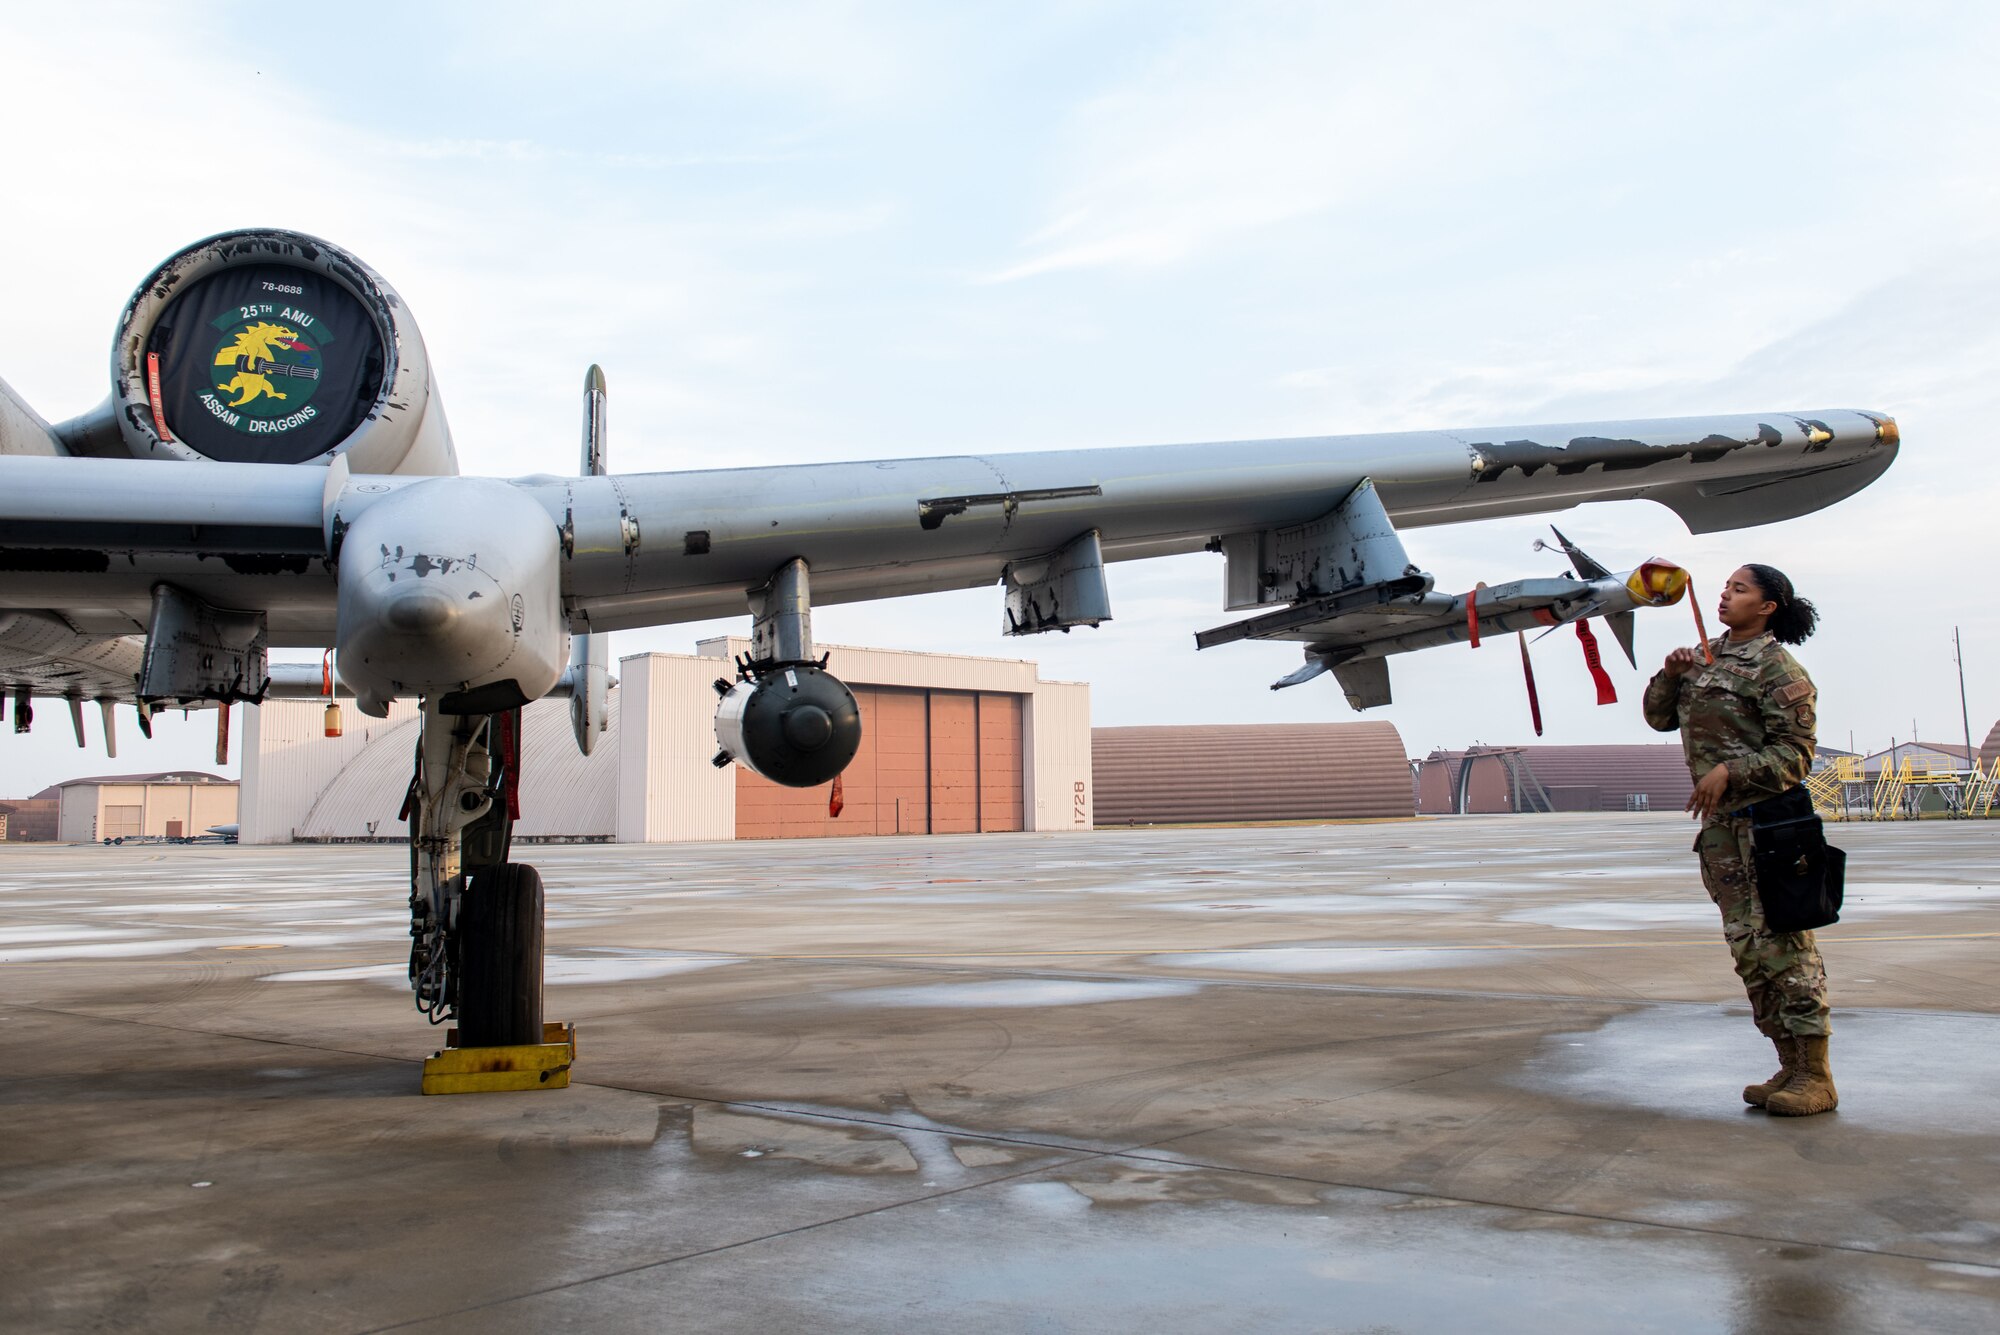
(1708, 793)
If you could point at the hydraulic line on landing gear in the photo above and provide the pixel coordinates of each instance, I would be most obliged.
(438, 814)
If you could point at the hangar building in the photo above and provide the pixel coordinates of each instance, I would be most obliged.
(1635, 777)
(173, 805)
(28, 819)
(950, 744)
(1250, 772)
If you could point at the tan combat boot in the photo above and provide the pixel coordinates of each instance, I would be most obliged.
(1788, 1064)
(1810, 1090)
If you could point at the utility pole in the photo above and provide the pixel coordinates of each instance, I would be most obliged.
(1964, 715)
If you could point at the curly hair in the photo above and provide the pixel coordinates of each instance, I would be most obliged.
(1795, 618)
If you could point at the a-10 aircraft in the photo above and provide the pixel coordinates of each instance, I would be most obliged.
(273, 469)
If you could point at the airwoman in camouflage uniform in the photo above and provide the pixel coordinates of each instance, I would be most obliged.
(1747, 726)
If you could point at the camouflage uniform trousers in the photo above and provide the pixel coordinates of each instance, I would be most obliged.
(1781, 971)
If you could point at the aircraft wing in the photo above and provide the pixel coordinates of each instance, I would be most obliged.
(91, 537)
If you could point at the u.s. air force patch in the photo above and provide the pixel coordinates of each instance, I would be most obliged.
(1793, 691)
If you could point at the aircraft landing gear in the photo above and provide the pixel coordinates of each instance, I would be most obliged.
(500, 958)
(475, 917)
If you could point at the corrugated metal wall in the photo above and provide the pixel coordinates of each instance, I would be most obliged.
(288, 761)
(1489, 789)
(76, 821)
(1057, 771)
(32, 819)
(1576, 778)
(1437, 787)
(668, 792)
(1604, 778)
(1282, 771)
(563, 794)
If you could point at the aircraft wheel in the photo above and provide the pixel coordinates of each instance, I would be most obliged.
(500, 958)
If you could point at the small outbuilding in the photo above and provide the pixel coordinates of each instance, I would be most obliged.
(176, 804)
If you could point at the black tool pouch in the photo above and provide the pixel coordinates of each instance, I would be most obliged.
(1800, 877)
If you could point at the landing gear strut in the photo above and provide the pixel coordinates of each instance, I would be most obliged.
(475, 917)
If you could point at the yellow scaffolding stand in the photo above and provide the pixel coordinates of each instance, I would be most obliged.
(1886, 803)
(543, 1065)
(1828, 788)
(1981, 787)
(1928, 772)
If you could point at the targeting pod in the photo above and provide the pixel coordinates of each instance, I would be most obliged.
(797, 725)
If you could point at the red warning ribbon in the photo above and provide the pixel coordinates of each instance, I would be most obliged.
(510, 760)
(1528, 671)
(1607, 694)
(1472, 615)
(153, 393)
(837, 802)
(1700, 627)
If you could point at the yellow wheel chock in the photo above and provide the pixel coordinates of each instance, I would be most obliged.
(543, 1065)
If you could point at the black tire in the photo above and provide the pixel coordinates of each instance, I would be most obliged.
(500, 958)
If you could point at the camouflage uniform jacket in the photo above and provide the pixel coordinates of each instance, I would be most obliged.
(1752, 710)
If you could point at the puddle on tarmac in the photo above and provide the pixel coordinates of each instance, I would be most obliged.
(1881, 899)
(18, 936)
(1015, 992)
(1609, 916)
(1354, 903)
(139, 949)
(843, 1148)
(557, 970)
(624, 966)
(1336, 959)
(257, 906)
(1043, 1254)
(1694, 1061)
(964, 897)
(396, 973)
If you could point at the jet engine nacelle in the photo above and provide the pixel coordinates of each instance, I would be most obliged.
(268, 346)
(451, 588)
(797, 725)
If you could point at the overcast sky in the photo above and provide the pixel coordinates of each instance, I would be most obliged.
(818, 232)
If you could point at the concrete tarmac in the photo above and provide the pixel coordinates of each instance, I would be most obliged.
(1465, 1074)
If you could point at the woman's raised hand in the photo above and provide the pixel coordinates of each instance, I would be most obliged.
(1680, 662)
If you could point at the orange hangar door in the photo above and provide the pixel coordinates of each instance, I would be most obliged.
(1001, 766)
(930, 762)
(895, 728)
(954, 762)
(884, 789)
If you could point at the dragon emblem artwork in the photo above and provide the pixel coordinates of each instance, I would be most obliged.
(266, 369)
